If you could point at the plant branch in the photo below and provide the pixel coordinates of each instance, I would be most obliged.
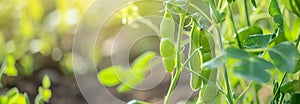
(246, 12)
(245, 90)
(233, 24)
(178, 62)
(202, 13)
(205, 79)
(229, 96)
(277, 90)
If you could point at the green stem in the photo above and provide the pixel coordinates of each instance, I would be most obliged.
(245, 90)
(178, 71)
(206, 80)
(219, 4)
(277, 90)
(246, 12)
(202, 13)
(233, 24)
(229, 96)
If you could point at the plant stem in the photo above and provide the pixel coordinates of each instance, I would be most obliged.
(219, 4)
(276, 93)
(245, 90)
(178, 62)
(202, 13)
(233, 24)
(208, 81)
(246, 12)
(229, 96)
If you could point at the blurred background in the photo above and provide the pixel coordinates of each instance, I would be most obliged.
(36, 38)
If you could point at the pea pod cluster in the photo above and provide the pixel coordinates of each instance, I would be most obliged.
(167, 49)
(199, 38)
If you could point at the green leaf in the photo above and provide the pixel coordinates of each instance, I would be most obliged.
(254, 69)
(295, 99)
(290, 87)
(27, 63)
(129, 83)
(254, 3)
(9, 67)
(4, 99)
(140, 64)
(257, 41)
(26, 98)
(109, 77)
(38, 99)
(284, 56)
(237, 53)
(248, 31)
(46, 82)
(275, 13)
(46, 94)
(12, 92)
(215, 62)
(292, 5)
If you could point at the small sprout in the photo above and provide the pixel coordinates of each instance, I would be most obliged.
(46, 82)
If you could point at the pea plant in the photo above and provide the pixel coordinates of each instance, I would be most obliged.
(234, 53)
(13, 96)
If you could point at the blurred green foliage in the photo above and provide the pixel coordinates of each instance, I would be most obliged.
(33, 31)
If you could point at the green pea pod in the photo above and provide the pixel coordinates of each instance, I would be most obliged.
(168, 54)
(167, 49)
(167, 26)
(196, 60)
(209, 92)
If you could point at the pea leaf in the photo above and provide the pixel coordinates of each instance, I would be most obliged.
(4, 99)
(254, 69)
(292, 5)
(127, 79)
(275, 13)
(257, 41)
(290, 86)
(46, 94)
(129, 82)
(248, 31)
(136, 75)
(26, 98)
(109, 77)
(215, 62)
(237, 53)
(12, 92)
(254, 3)
(140, 64)
(9, 67)
(284, 56)
(46, 82)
